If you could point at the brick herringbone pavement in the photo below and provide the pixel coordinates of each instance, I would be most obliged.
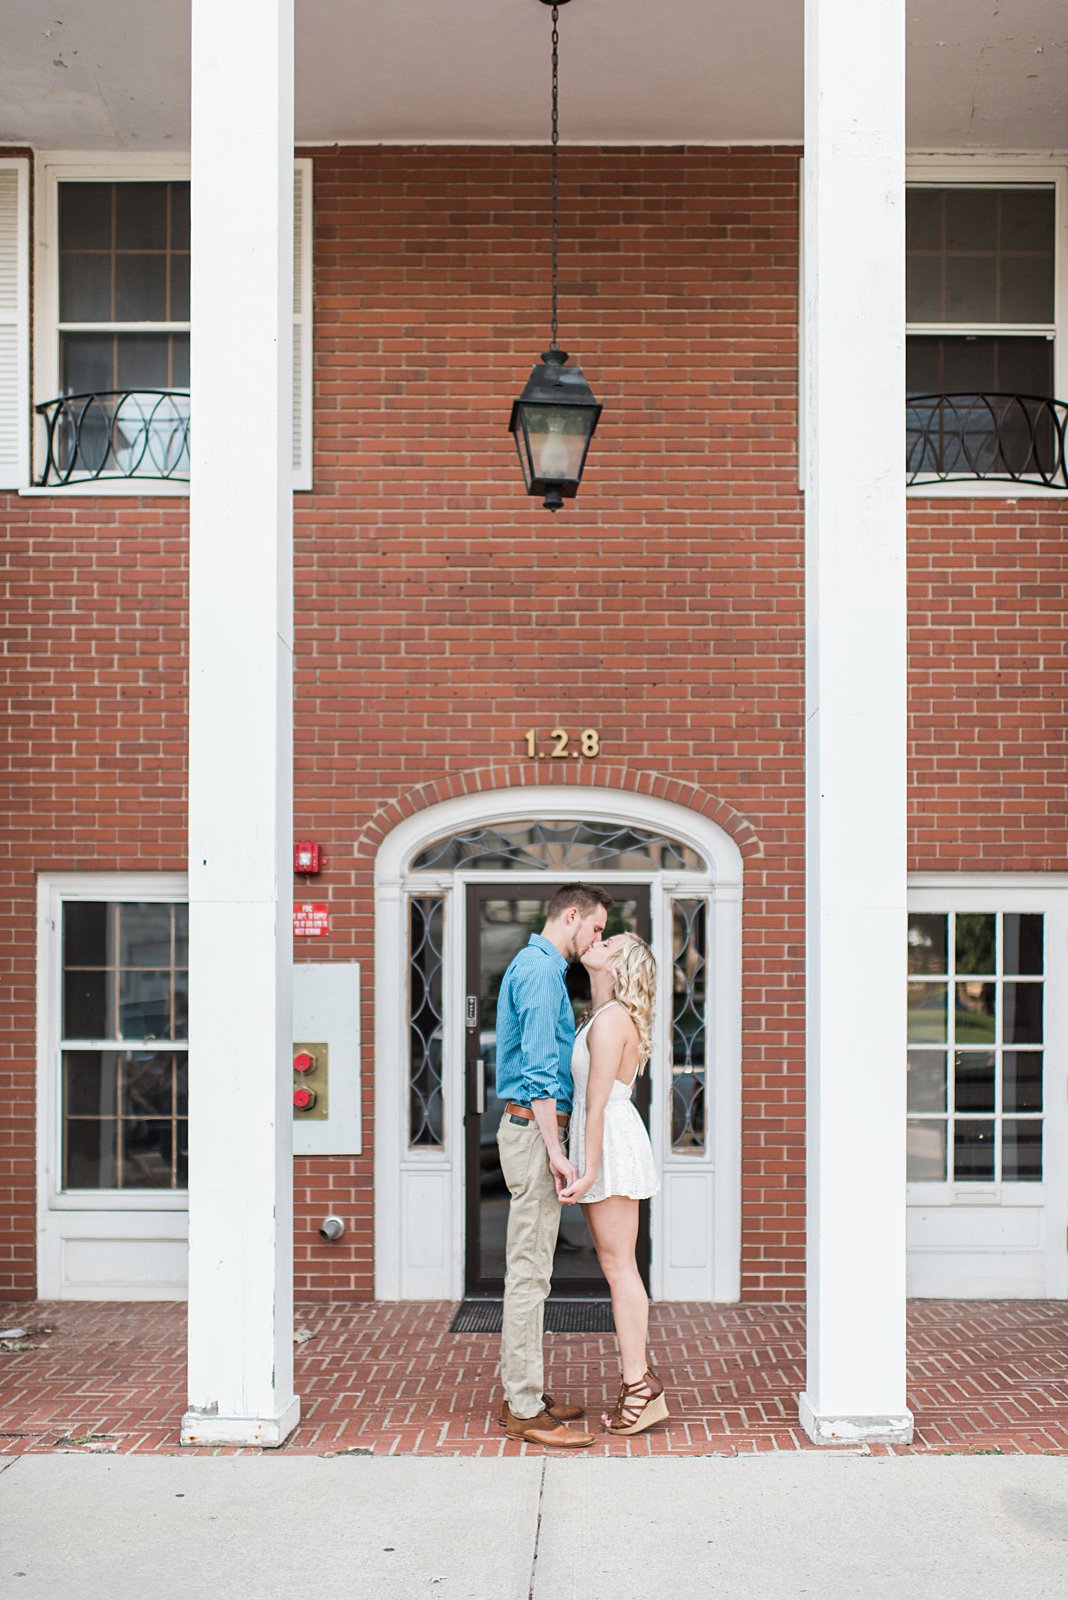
(984, 1376)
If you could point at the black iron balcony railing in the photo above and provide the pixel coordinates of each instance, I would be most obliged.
(117, 433)
(1002, 438)
(950, 438)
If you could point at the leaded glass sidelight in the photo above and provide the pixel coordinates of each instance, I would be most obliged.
(567, 845)
(426, 928)
(689, 1025)
(975, 1024)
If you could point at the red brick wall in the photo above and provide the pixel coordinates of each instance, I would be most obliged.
(92, 772)
(441, 613)
(988, 685)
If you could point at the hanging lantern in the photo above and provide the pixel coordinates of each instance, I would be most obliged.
(555, 417)
(553, 422)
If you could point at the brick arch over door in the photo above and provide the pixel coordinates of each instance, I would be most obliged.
(524, 775)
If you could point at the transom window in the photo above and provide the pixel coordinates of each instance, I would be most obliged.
(567, 845)
(124, 1045)
(975, 1051)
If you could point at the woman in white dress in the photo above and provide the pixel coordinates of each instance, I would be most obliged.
(610, 1148)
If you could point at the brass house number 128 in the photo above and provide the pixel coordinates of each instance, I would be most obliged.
(589, 744)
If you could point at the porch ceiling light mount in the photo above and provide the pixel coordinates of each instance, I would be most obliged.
(554, 418)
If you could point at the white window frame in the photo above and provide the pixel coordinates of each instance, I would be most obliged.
(58, 167)
(1016, 892)
(1004, 172)
(52, 170)
(53, 891)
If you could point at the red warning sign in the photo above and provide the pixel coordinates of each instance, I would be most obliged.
(310, 919)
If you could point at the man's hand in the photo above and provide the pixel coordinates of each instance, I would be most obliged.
(577, 1191)
(561, 1168)
(563, 1171)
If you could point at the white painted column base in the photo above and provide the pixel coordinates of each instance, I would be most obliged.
(268, 1433)
(853, 1430)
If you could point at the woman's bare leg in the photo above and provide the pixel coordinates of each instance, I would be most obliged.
(613, 1225)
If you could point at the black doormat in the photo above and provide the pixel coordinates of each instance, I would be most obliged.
(561, 1316)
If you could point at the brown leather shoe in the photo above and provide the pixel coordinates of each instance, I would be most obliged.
(562, 1410)
(559, 1410)
(545, 1430)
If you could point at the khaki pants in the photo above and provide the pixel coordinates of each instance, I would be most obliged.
(533, 1224)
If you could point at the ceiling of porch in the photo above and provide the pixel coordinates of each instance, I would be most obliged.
(113, 74)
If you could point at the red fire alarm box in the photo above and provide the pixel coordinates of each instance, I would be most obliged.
(307, 857)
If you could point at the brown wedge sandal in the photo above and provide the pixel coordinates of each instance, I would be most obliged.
(639, 1406)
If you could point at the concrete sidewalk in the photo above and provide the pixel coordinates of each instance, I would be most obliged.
(775, 1526)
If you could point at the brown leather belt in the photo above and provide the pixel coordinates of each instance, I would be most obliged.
(526, 1115)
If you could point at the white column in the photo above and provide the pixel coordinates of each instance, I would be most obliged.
(854, 274)
(240, 783)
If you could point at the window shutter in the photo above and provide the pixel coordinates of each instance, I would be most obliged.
(14, 323)
(302, 324)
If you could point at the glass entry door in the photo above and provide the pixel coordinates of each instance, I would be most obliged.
(500, 919)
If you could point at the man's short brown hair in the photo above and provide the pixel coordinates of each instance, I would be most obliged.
(585, 897)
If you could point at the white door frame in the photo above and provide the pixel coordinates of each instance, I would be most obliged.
(419, 1210)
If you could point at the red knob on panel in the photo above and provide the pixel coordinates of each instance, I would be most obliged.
(303, 1061)
(303, 1099)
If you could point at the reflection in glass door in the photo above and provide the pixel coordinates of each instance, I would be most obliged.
(500, 919)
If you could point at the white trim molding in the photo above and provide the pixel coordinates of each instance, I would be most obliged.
(696, 1218)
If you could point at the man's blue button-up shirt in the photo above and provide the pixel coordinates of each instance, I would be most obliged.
(535, 1027)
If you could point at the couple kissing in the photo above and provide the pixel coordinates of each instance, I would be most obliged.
(571, 1135)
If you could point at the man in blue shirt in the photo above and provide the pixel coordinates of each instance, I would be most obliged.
(535, 1036)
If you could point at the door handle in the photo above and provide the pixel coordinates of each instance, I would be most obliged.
(480, 1086)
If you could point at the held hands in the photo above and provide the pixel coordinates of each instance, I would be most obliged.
(577, 1191)
(563, 1171)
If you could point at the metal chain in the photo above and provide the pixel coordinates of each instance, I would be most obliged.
(555, 169)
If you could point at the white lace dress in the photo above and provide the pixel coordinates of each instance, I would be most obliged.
(626, 1154)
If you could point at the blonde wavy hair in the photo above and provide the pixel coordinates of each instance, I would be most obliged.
(634, 986)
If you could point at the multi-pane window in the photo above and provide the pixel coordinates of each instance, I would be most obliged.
(123, 286)
(980, 263)
(123, 256)
(689, 1025)
(426, 1021)
(975, 1052)
(124, 1045)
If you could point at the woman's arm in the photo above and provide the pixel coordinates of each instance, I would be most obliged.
(607, 1041)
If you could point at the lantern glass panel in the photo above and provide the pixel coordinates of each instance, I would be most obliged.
(523, 450)
(557, 439)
